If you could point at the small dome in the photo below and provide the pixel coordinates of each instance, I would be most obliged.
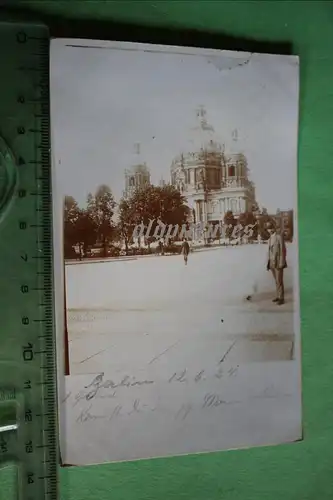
(235, 157)
(177, 162)
(141, 168)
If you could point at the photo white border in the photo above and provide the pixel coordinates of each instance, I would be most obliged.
(58, 236)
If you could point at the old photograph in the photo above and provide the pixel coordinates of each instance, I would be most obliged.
(176, 249)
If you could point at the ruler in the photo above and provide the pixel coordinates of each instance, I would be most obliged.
(28, 389)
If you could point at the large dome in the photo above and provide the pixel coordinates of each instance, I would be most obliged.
(202, 135)
(212, 146)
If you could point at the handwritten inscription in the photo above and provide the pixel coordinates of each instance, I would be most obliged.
(210, 400)
(178, 377)
(271, 392)
(185, 376)
(214, 400)
(183, 411)
(86, 415)
(98, 383)
(106, 388)
(127, 381)
(100, 387)
(137, 406)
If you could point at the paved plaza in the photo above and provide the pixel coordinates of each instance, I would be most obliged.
(156, 312)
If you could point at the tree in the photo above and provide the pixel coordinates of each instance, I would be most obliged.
(255, 207)
(249, 225)
(126, 222)
(230, 222)
(100, 208)
(174, 208)
(151, 206)
(70, 216)
(263, 222)
(79, 228)
(86, 231)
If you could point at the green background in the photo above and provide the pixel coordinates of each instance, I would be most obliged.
(296, 471)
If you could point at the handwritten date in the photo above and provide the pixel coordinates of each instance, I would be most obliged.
(183, 376)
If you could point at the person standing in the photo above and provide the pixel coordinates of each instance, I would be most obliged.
(185, 250)
(276, 262)
(161, 246)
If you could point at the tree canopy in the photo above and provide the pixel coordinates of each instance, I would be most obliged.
(100, 208)
(230, 222)
(248, 222)
(151, 204)
(79, 227)
(87, 226)
(71, 214)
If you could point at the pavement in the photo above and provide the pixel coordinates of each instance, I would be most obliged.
(168, 359)
(159, 313)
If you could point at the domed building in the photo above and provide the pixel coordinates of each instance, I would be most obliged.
(212, 180)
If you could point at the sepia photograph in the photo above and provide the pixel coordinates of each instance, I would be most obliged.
(176, 249)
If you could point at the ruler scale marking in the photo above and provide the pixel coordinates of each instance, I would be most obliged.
(26, 126)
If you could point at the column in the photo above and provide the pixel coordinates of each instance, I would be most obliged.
(197, 211)
(227, 204)
(204, 212)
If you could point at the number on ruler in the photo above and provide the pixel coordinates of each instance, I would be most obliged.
(28, 415)
(25, 320)
(30, 478)
(22, 193)
(27, 384)
(28, 447)
(21, 37)
(28, 354)
(24, 289)
(21, 99)
(3, 446)
(23, 225)
(24, 257)
(20, 130)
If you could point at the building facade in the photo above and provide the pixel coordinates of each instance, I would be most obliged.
(213, 181)
(286, 219)
(136, 177)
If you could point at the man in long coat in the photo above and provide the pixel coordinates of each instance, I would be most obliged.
(185, 250)
(276, 261)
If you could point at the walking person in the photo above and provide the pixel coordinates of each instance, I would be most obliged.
(161, 246)
(185, 250)
(276, 262)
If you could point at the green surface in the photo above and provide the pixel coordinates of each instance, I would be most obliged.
(27, 357)
(299, 471)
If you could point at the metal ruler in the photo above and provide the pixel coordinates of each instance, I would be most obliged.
(28, 389)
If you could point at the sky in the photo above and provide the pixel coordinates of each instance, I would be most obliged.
(105, 100)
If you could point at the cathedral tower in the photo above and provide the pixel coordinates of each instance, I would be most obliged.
(138, 176)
